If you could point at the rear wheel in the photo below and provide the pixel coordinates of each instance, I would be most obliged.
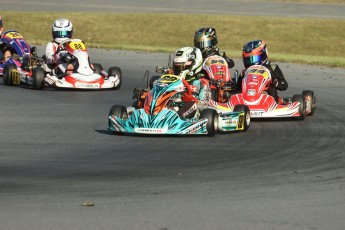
(7, 74)
(38, 77)
(116, 71)
(97, 67)
(212, 123)
(310, 101)
(246, 118)
(118, 111)
(300, 98)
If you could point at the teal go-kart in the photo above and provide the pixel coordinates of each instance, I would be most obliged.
(157, 113)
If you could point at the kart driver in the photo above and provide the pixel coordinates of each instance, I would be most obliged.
(190, 58)
(255, 53)
(62, 30)
(206, 40)
(5, 52)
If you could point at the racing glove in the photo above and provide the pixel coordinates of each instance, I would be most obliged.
(188, 96)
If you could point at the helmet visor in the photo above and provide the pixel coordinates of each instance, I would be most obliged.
(62, 34)
(178, 67)
(252, 60)
(203, 44)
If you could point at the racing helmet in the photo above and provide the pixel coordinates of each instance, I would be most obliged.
(1, 25)
(206, 40)
(254, 53)
(62, 29)
(187, 58)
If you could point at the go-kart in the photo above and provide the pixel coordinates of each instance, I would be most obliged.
(217, 72)
(257, 79)
(83, 75)
(24, 67)
(157, 113)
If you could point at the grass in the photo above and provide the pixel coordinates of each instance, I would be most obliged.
(298, 40)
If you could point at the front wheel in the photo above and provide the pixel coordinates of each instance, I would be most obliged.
(7, 74)
(116, 71)
(212, 123)
(310, 101)
(245, 120)
(152, 80)
(119, 111)
(38, 77)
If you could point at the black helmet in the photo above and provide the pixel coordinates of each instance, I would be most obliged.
(206, 40)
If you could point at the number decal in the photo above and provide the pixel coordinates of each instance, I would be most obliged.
(15, 77)
(169, 78)
(240, 122)
(77, 45)
(13, 35)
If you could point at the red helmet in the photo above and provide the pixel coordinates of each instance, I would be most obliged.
(254, 53)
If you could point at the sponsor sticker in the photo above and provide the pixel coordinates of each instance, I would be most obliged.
(87, 86)
(151, 130)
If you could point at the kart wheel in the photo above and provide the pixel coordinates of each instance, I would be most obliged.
(97, 67)
(212, 123)
(118, 111)
(116, 71)
(246, 118)
(7, 74)
(152, 80)
(300, 98)
(310, 101)
(38, 76)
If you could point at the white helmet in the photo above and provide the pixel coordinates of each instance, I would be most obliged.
(62, 29)
(187, 58)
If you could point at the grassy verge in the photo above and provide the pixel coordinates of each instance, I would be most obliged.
(298, 40)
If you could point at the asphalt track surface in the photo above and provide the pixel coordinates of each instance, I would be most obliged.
(56, 154)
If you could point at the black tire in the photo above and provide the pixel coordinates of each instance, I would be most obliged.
(113, 71)
(97, 67)
(246, 118)
(118, 111)
(7, 74)
(212, 124)
(311, 105)
(152, 80)
(300, 98)
(38, 77)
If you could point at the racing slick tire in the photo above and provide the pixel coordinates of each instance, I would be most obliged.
(118, 111)
(116, 71)
(97, 67)
(152, 80)
(300, 98)
(38, 74)
(7, 74)
(246, 118)
(310, 101)
(212, 123)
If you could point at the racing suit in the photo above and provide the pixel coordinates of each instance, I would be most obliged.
(54, 59)
(5, 51)
(278, 81)
(196, 97)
